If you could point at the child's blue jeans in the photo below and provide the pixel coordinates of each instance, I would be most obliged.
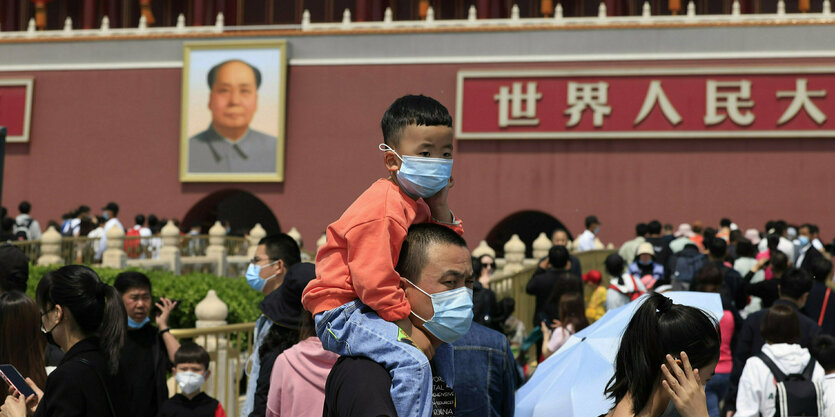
(354, 329)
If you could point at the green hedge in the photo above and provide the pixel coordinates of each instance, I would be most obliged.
(190, 289)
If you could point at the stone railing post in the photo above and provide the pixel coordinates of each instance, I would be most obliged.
(114, 256)
(514, 255)
(294, 233)
(211, 311)
(216, 248)
(170, 250)
(50, 248)
(255, 235)
(541, 246)
(483, 249)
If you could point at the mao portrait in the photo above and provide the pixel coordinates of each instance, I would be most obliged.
(233, 112)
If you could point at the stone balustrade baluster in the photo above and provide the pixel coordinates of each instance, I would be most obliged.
(255, 235)
(216, 248)
(541, 246)
(114, 256)
(170, 250)
(50, 248)
(514, 255)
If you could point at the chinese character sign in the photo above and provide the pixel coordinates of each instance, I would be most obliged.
(672, 104)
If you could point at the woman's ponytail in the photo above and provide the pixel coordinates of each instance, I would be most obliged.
(112, 329)
(660, 327)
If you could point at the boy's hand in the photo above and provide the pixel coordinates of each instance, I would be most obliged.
(438, 204)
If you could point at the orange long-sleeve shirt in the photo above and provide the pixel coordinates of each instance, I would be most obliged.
(362, 248)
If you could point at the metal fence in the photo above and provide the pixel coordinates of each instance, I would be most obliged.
(229, 347)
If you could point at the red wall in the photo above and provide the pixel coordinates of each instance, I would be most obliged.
(113, 135)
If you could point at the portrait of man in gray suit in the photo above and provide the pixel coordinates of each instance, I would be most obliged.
(229, 145)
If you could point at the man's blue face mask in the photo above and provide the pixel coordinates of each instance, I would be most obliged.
(421, 176)
(453, 313)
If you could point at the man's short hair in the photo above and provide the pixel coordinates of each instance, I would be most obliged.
(414, 252)
(814, 229)
(590, 220)
(190, 352)
(820, 269)
(654, 227)
(641, 229)
(131, 280)
(213, 72)
(14, 269)
(718, 248)
(794, 283)
(139, 219)
(282, 246)
(823, 350)
(725, 222)
(416, 110)
(558, 256)
(24, 207)
(780, 324)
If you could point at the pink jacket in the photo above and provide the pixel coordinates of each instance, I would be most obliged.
(297, 383)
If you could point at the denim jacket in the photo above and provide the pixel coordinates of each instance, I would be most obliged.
(486, 376)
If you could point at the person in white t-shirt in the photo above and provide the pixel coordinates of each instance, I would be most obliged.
(780, 328)
(111, 210)
(586, 240)
(823, 350)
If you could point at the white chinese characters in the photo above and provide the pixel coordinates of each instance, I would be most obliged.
(517, 116)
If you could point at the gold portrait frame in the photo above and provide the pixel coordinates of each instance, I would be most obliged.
(231, 46)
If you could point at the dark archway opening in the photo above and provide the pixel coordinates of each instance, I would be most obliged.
(242, 209)
(528, 225)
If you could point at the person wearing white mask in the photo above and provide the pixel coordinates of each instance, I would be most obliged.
(274, 256)
(191, 369)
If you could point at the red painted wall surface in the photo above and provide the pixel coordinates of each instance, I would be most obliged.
(113, 135)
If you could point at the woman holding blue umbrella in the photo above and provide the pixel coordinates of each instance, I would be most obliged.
(667, 354)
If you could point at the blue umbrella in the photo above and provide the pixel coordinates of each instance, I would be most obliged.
(571, 382)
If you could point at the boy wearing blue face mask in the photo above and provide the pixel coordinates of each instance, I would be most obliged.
(191, 368)
(356, 299)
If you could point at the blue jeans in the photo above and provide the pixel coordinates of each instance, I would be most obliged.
(262, 326)
(354, 329)
(715, 390)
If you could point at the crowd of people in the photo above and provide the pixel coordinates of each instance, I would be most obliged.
(777, 321)
(397, 319)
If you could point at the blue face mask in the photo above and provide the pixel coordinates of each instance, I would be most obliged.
(105, 216)
(453, 313)
(804, 240)
(137, 324)
(253, 277)
(420, 176)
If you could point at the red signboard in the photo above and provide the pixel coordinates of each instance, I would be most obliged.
(16, 108)
(646, 103)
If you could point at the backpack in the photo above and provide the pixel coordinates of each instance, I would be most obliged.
(796, 395)
(133, 245)
(686, 267)
(21, 230)
(634, 295)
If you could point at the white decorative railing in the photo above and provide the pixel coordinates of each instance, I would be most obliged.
(430, 23)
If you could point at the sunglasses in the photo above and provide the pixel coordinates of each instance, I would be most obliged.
(488, 265)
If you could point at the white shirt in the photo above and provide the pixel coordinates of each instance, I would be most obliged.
(829, 395)
(585, 241)
(784, 245)
(621, 293)
(757, 388)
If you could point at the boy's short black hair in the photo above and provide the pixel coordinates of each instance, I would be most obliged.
(412, 110)
(190, 352)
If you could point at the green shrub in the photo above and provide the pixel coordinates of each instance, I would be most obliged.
(190, 289)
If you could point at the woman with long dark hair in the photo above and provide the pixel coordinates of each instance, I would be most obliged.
(572, 319)
(86, 319)
(667, 353)
(21, 344)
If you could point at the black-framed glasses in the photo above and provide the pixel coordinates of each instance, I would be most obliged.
(256, 259)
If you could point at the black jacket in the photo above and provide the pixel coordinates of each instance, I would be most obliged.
(750, 342)
(75, 389)
(814, 304)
